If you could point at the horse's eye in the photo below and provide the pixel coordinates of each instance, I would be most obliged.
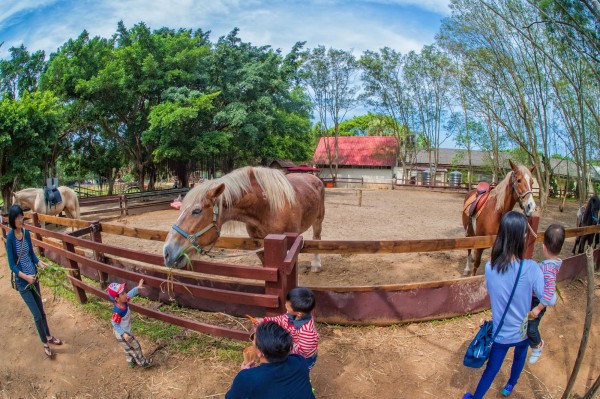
(197, 211)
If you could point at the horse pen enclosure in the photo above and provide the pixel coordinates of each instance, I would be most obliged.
(384, 218)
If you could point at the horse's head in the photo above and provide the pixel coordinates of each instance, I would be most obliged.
(197, 226)
(591, 212)
(521, 181)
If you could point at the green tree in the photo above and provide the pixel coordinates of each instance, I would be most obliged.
(28, 128)
(329, 77)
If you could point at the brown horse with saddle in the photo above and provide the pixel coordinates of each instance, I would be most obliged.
(485, 205)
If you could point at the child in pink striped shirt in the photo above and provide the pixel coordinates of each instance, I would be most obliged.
(299, 322)
(554, 237)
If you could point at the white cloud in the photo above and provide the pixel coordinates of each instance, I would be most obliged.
(359, 25)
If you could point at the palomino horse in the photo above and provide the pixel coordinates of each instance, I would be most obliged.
(33, 198)
(587, 216)
(515, 187)
(266, 200)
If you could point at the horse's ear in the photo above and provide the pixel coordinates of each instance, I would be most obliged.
(532, 168)
(513, 166)
(216, 191)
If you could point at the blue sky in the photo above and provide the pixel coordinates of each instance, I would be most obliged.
(348, 25)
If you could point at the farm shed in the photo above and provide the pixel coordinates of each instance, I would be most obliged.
(371, 158)
(282, 165)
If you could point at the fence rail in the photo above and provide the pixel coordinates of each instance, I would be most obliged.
(241, 289)
(261, 289)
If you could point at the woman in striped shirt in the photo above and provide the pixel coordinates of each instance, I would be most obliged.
(24, 263)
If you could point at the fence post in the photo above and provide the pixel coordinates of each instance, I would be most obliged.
(124, 207)
(96, 236)
(38, 236)
(292, 276)
(534, 222)
(75, 273)
(275, 251)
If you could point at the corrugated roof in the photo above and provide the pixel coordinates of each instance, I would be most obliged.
(283, 163)
(359, 151)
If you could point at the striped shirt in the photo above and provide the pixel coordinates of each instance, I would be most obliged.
(305, 336)
(25, 263)
(550, 268)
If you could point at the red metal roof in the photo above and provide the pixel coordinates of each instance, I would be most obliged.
(359, 151)
(303, 168)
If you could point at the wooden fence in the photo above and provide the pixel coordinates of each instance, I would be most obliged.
(123, 203)
(254, 290)
(241, 289)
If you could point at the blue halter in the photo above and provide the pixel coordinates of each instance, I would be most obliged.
(193, 237)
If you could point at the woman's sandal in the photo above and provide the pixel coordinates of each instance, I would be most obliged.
(47, 351)
(54, 341)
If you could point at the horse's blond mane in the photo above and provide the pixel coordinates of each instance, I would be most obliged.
(277, 189)
(500, 191)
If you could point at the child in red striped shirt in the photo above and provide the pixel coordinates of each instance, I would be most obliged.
(299, 322)
(554, 237)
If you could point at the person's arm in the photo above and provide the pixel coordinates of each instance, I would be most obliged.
(282, 320)
(133, 292)
(537, 282)
(549, 297)
(535, 312)
(10, 253)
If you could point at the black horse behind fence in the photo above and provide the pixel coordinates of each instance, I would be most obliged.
(587, 217)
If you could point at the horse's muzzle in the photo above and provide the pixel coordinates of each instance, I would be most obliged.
(173, 257)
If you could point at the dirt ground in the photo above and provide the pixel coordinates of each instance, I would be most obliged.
(415, 360)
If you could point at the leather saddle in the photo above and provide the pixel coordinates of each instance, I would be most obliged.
(52, 196)
(474, 204)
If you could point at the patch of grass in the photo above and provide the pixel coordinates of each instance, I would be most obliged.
(169, 337)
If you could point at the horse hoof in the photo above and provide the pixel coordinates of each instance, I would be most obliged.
(315, 269)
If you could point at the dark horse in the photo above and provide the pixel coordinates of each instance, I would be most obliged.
(514, 188)
(266, 200)
(589, 217)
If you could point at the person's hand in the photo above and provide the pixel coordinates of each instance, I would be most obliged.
(532, 315)
(42, 264)
(247, 365)
(140, 284)
(127, 337)
(535, 312)
(30, 278)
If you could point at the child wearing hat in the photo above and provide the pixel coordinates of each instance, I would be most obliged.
(121, 322)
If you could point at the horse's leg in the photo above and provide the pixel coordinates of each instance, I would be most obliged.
(253, 233)
(477, 262)
(575, 246)
(467, 270)
(315, 264)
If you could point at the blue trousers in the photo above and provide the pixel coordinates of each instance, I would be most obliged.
(497, 355)
(533, 326)
(32, 297)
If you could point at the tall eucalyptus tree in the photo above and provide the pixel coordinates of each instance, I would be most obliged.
(428, 75)
(329, 76)
(386, 90)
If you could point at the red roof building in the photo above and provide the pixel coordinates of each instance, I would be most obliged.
(370, 151)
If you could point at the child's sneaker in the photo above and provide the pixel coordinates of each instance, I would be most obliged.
(536, 353)
(507, 390)
(131, 364)
(147, 364)
(468, 395)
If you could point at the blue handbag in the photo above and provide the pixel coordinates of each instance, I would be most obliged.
(479, 349)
